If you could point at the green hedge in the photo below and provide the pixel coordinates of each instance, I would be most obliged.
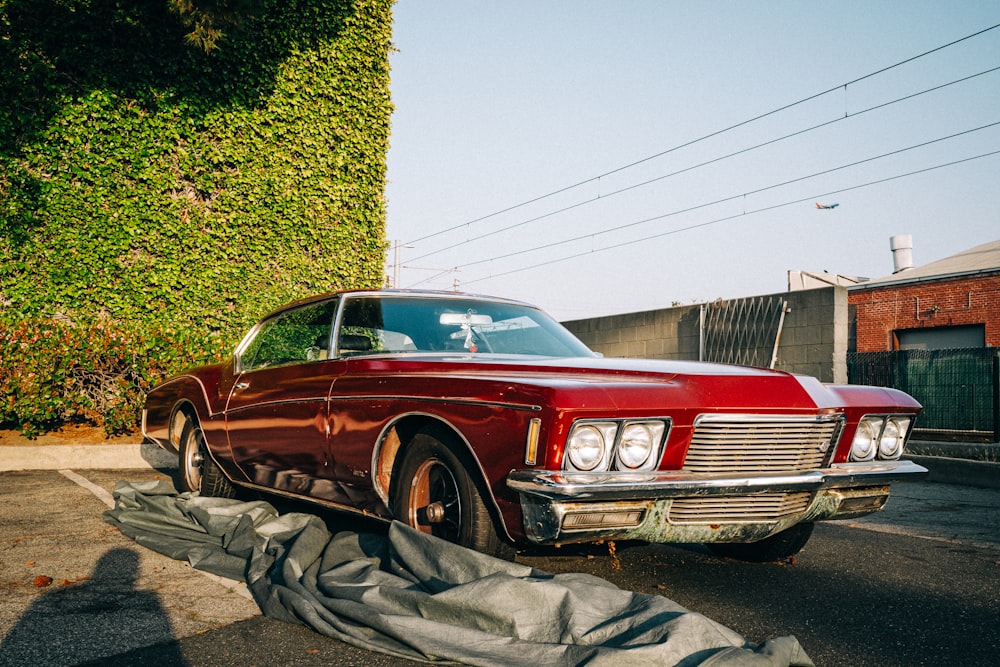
(165, 194)
(56, 372)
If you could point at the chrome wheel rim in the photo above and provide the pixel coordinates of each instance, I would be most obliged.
(434, 505)
(194, 459)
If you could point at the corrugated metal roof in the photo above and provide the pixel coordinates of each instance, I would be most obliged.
(983, 258)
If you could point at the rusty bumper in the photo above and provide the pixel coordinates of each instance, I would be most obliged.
(676, 506)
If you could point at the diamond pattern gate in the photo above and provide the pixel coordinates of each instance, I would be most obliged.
(743, 331)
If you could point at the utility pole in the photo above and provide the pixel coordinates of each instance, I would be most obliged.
(395, 264)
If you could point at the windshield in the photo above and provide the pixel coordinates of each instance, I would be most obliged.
(380, 324)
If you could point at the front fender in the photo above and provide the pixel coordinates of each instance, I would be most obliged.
(165, 401)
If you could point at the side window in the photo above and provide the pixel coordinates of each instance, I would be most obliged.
(369, 327)
(295, 337)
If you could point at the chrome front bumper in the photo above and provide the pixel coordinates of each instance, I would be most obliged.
(623, 505)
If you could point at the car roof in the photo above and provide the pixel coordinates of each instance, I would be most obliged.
(391, 292)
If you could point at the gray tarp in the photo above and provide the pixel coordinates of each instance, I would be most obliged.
(412, 595)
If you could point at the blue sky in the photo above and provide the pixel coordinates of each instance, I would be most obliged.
(499, 104)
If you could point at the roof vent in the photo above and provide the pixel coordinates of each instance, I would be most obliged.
(902, 252)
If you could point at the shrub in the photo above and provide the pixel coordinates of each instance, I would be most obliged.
(58, 371)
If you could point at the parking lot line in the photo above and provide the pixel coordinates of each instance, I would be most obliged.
(238, 587)
(98, 491)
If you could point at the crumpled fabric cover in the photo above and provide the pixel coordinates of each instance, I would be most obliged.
(418, 597)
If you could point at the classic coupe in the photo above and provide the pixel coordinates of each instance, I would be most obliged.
(485, 422)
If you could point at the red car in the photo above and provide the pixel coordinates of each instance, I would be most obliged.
(485, 422)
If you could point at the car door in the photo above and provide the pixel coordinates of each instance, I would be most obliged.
(276, 416)
(359, 410)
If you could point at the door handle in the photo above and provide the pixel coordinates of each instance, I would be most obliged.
(241, 386)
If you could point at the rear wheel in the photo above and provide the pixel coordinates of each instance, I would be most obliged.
(433, 492)
(784, 545)
(198, 471)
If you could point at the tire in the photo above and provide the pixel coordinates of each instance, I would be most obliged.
(433, 492)
(198, 472)
(784, 545)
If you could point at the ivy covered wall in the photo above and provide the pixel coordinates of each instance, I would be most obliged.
(169, 196)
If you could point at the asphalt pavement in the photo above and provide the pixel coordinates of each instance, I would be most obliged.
(73, 590)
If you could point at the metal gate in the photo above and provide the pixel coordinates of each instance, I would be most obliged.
(742, 331)
(958, 388)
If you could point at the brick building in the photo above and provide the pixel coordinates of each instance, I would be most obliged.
(951, 303)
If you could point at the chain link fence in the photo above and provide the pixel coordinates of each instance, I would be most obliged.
(958, 388)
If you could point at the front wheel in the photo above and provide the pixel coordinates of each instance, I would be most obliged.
(433, 492)
(199, 473)
(784, 545)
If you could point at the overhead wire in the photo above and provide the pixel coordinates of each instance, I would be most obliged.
(715, 160)
(705, 137)
(734, 216)
(731, 197)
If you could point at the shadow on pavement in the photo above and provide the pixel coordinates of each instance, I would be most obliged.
(90, 619)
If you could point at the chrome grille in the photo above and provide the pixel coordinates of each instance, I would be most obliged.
(729, 509)
(755, 444)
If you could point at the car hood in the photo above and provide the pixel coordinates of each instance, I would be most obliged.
(641, 384)
(654, 369)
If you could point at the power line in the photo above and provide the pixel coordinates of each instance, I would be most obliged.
(707, 136)
(731, 197)
(703, 164)
(734, 216)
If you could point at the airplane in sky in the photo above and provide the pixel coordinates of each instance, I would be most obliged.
(826, 206)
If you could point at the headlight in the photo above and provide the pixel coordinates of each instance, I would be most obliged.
(639, 441)
(589, 445)
(866, 439)
(890, 445)
(600, 446)
(880, 436)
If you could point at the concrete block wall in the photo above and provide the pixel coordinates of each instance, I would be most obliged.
(813, 342)
(670, 333)
(814, 338)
